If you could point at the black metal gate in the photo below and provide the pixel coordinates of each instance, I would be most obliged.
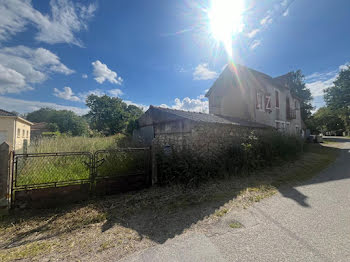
(105, 171)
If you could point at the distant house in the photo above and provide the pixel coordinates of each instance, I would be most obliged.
(14, 130)
(247, 94)
(38, 129)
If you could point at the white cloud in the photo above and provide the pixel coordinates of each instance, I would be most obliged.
(103, 73)
(98, 92)
(22, 66)
(285, 13)
(66, 94)
(84, 76)
(255, 44)
(202, 72)
(142, 106)
(25, 106)
(66, 19)
(266, 20)
(319, 81)
(253, 33)
(116, 92)
(199, 104)
(344, 67)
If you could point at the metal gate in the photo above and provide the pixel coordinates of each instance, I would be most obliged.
(56, 170)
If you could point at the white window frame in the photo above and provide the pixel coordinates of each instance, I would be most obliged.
(18, 132)
(279, 99)
(260, 100)
(268, 102)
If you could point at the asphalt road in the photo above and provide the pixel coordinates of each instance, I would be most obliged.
(306, 223)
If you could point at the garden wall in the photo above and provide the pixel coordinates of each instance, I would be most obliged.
(206, 139)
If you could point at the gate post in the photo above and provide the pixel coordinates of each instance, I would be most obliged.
(5, 178)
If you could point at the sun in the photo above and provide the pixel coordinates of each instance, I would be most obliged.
(225, 20)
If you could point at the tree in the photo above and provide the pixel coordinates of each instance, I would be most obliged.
(326, 119)
(111, 115)
(66, 121)
(299, 89)
(337, 97)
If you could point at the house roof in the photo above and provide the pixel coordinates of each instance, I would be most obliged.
(6, 113)
(160, 114)
(252, 77)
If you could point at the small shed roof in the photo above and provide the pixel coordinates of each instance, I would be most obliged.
(161, 115)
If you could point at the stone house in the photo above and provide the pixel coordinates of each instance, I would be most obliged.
(247, 94)
(14, 130)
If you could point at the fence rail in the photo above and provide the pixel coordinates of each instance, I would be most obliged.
(52, 170)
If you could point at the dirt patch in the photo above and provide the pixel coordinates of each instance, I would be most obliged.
(107, 229)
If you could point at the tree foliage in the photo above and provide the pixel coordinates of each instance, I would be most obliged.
(337, 97)
(110, 115)
(299, 89)
(326, 119)
(63, 121)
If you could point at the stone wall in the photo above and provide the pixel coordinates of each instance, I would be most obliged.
(204, 138)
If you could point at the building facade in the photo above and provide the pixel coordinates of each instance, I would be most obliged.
(14, 130)
(244, 93)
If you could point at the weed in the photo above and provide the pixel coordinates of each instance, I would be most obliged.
(235, 224)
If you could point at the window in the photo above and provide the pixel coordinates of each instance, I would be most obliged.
(18, 132)
(23, 133)
(259, 100)
(267, 103)
(27, 134)
(295, 104)
(277, 95)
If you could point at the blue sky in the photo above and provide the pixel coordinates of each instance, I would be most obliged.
(162, 52)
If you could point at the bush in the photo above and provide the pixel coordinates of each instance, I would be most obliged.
(256, 150)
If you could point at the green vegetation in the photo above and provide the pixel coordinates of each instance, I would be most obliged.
(73, 144)
(244, 155)
(110, 115)
(337, 97)
(235, 224)
(299, 89)
(63, 121)
(326, 120)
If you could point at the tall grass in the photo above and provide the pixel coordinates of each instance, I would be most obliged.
(73, 144)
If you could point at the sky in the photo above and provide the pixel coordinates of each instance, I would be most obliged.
(160, 52)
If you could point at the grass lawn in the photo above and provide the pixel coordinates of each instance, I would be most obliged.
(119, 225)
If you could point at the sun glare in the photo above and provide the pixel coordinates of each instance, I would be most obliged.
(225, 17)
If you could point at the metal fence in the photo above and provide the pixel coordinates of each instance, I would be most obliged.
(47, 170)
(121, 162)
(40, 170)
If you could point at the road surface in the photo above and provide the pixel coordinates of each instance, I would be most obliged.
(306, 223)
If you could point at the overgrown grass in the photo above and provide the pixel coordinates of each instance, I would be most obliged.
(48, 169)
(73, 144)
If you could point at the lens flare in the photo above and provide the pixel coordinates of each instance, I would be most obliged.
(225, 18)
